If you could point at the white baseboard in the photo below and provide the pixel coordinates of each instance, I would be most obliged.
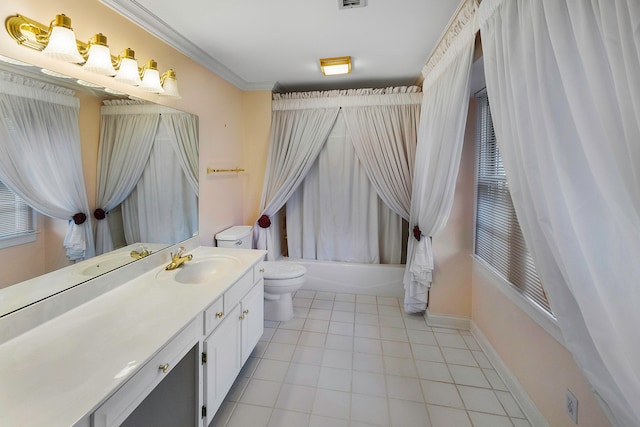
(519, 394)
(444, 321)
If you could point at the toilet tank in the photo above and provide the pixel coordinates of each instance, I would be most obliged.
(238, 236)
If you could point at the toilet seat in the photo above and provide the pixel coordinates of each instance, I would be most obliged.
(281, 270)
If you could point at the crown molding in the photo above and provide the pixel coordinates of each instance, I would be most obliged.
(142, 17)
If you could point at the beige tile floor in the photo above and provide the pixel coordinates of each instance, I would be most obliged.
(356, 360)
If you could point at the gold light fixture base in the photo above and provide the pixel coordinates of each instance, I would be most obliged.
(34, 35)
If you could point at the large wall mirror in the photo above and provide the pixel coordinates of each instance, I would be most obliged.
(160, 211)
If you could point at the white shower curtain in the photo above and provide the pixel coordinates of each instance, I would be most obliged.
(563, 79)
(40, 156)
(336, 214)
(300, 125)
(296, 139)
(440, 137)
(385, 137)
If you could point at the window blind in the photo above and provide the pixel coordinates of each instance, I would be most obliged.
(498, 240)
(16, 217)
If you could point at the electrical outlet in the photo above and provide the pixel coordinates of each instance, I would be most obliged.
(572, 406)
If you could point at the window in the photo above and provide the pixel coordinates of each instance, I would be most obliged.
(499, 241)
(17, 219)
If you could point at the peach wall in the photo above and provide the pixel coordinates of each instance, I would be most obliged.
(450, 293)
(257, 117)
(32, 254)
(544, 367)
(218, 103)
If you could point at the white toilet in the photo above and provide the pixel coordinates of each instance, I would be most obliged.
(281, 278)
(238, 236)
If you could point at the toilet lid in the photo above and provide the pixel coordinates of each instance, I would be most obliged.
(282, 270)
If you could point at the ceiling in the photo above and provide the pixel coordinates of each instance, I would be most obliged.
(277, 44)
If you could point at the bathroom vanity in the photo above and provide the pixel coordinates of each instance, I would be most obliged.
(107, 358)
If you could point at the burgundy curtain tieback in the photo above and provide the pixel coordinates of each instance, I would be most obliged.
(264, 222)
(417, 233)
(99, 214)
(79, 218)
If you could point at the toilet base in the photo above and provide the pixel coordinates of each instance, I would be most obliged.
(278, 307)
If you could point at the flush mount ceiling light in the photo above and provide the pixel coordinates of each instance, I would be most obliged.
(335, 66)
(58, 41)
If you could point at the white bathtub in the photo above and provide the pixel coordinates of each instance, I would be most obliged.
(367, 279)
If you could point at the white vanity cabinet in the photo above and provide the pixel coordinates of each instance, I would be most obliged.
(229, 345)
(252, 317)
(131, 355)
(119, 406)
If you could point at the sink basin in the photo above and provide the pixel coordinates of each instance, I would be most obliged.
(201, 270)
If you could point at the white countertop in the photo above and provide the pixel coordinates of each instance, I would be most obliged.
(30, 291)
(60, 371)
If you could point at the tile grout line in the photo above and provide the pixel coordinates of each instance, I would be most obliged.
(386, 312)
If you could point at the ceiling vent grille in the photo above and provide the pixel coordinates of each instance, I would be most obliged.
(350, 4)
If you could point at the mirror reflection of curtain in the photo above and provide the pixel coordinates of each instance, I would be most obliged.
(139, 146)
(126, 136)
(40, 155)
(336, 214)
(163, 207)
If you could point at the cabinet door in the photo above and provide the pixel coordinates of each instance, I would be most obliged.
(252, 319)
(223, 349)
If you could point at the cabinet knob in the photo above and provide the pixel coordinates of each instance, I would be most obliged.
(246, 311)
(262, 270)
(242, 317)
(164, 368)
(219, 315)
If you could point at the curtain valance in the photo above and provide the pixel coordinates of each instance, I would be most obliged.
(24, 87)
(405, 95)
(121, 107)
(455, 41)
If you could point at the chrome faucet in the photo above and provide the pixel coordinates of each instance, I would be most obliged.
(140, 253)
(178, 259)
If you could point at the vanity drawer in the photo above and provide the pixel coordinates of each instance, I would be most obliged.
(239, 289)
(213, 316)
(121, 404)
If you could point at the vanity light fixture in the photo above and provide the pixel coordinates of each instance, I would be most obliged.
(58, 41)
(170, 84)
(128, 68)
(151, 78)
(61, 41)
(99, 57)
(335, 66)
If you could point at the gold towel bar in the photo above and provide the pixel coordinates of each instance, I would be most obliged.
(211, 170)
